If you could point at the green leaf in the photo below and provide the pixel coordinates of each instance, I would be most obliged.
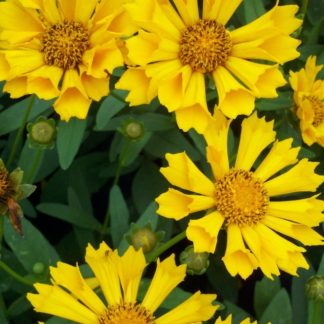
(238, 313)
(279, 309)
(12, 117)
(31, 248)
(264, 292)
(110, 106)
(320, 270)
(253, 9)
(69, 138)
(119, 215)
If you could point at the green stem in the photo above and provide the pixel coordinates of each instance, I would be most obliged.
(115, 182)
(34, 168)
(156, 253)
(15, 275)
(20, 132)
(304, 7)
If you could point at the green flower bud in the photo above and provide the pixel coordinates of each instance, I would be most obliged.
(134, 130)
(197, 263)
(38, 268)
(315, 288)
(42, 133)
(144, 238)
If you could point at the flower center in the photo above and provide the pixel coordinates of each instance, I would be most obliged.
(205, 45)
(4, 184)
(241, 198)
(64, 43)
(318, 108)
(127, 313)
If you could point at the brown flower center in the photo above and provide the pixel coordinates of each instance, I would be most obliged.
(64, 44)
(241, 198)
(318, 108)
(127, 313)
(4, 184)
(205, 45)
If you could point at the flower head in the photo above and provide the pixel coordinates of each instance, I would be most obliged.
(11, 191)
(246, 199)
(71, 297)
(309, 101)
(177, 47)
(61, 49)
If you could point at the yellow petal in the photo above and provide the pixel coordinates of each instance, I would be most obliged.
(70, 278)
(167, 276)
(292, 262)
(96, 88)
(281, 155)
(188, 10)
(130, 269)
(218, 160)
(196, 308)
(195, 116)
(183, 173)
(299, 178)
(226, 10)
(203, 232)
(300, 232)
(177, 205)
(238, 259)
(44, 82)
(256, 135)
(4, 67)
(141, 89)
(227, 320)
(306, 211)
(17, 87)
(104, 264)
(55, 301)
(234, 99)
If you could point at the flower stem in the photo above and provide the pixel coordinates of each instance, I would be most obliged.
(15, 275)
(119, 169)
(20, 132)
(304, 7)
(34, 168)
(156, 253)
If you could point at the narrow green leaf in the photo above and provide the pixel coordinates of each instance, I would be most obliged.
(11, 117)
(31, 248)
(253, 9)
(264, 292)
(109, 108)
(69, 138)
(279, 309)
(119, 215)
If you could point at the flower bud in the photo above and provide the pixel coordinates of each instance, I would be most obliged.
(134, 130)
(315, 288)
(144, 238)
(42, 133)
(197, 263)
(38, 268)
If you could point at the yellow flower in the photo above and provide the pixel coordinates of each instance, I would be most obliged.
(309, 100)
(176, 48)
(228, 320)
(246, 199)
(61, 49)
(70, 296)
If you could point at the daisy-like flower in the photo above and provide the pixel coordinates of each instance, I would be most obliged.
(61, 49)
(177, 47)
(228, 320)
(309, 101)
(70, 296)
(245, 199)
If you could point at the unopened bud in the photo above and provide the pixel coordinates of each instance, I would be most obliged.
(315, 288)
(42, 133)
(134, 130)
(144, 238)
(197, 263)
(38, 268)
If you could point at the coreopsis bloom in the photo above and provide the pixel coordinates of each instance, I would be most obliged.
(247, 199)
(177, 47)
(61, 49)
(11, 191)
(228, 320)
(309, 101)
(70, 296)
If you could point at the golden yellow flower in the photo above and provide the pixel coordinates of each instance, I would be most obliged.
(245, 199)
(62, 49)
(309, 100)
(228, 320)
(177, 47)
(71, 297)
